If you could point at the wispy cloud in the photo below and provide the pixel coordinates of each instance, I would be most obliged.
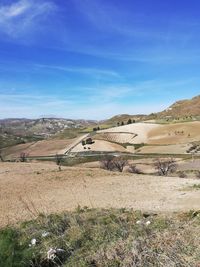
(81, 70)
(20, 17)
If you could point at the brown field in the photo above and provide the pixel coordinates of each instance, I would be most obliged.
(40, 148)
(27, 189)
(141, 131)
(150, 133)
(117, 137)
(162, 139)
(100, 145)
(179, 133)
(167, 149)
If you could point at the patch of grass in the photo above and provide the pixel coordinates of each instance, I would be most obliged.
(196, 186)
(69, 133)
(110, 238)
(192, 187)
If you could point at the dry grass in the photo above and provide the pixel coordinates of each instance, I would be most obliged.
(104, 238)
(100, 145)
(50, 190)
(40, 148)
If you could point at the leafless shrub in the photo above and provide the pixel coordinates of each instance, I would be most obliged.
(182, 175)
(119, 163)
(107, 163)
(1, 157)
(133, 169)
(23, 156)
(198, 174)
(59, 159)
(165, 166)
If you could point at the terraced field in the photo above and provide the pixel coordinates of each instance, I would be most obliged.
(122, 138)
(139, 130)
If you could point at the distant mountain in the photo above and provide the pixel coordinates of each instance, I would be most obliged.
(180, 109)
(42, 126)
(123, 118)
(183, 108)
(16, 131)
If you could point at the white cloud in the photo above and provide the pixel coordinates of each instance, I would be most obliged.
(21, 16)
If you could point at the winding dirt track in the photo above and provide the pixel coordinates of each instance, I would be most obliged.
(27, 189)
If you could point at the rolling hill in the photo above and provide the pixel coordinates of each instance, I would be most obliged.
(180, 109)
(183, 108)
(20, 131)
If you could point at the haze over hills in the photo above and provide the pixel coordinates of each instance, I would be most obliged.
(20, 130)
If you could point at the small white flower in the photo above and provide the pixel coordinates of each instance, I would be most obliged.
(33, 242)
(44, 234)
(138, 222)
(51, 254)
(148, 222)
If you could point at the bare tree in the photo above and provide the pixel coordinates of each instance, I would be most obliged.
(107, 163)
(23, 156)
(165, 166)
(59, 159)
(119, 163)
(1, 156)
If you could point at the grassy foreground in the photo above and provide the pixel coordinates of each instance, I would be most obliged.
(90, 237)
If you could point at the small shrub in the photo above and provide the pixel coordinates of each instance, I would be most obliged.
(182, 175)
(133, 169)
(196, 186)
(59, 159)
(165, 166)
(119, 163)
(107, 164)
(23, 156)
(198, 174)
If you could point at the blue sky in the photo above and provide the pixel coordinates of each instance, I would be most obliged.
(94, 59)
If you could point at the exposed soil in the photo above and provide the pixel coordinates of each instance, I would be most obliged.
(100, 145)
(27, 189)
(40, 148)
(167, 149)
(177, 133)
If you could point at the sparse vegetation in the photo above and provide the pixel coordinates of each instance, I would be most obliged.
(59, 160)
(134, 169)
(182, 174)
(165, 167)
(119, 163)
(107, 163)
(1, 156)
(114, 163)
(105, 238)
(23, 156)
(198, 174)
(196, 186)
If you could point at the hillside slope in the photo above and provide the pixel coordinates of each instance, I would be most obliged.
(189, 107)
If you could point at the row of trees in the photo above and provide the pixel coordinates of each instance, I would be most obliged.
(128, 122)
